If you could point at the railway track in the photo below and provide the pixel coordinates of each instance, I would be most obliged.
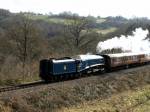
(41, 82)
(21, 86)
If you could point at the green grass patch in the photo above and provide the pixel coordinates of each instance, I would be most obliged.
(50, 20)
(105, 31)
(101, 20)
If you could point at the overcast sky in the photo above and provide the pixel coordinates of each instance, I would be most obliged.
(126, 8)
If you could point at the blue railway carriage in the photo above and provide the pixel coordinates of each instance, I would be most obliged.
(70, 67)
(52, 68)
(90, 63)
(67, 66)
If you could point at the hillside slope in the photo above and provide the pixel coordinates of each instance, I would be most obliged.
(114, 91)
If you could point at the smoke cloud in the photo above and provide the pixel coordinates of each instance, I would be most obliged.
(134, 43)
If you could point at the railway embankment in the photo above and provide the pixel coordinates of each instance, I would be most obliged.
(110, 90)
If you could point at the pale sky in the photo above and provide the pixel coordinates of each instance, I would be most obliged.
(103, 8)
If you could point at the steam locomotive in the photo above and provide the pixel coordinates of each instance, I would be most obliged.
(68, 67)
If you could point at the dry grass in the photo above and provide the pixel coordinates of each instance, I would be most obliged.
(103, 90)
(129, 101)
(12, 72)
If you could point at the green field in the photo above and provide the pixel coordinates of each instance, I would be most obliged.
(105, 31)
(101, 20)
(50, 20)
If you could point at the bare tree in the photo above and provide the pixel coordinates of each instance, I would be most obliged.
(77, 28)
(79, 36)
(23, 35)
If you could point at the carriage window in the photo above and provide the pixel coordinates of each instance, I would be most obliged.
(113, 59)
(134, 57)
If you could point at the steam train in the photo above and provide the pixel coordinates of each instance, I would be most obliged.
(68, 67)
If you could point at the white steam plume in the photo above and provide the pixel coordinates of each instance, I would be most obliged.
(134, 43)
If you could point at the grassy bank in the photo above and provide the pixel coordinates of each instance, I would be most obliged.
(128, 101)
(119, 91)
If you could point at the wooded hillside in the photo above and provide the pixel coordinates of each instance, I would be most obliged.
(26, 37)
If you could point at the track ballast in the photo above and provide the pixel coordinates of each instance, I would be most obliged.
(21, 86)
